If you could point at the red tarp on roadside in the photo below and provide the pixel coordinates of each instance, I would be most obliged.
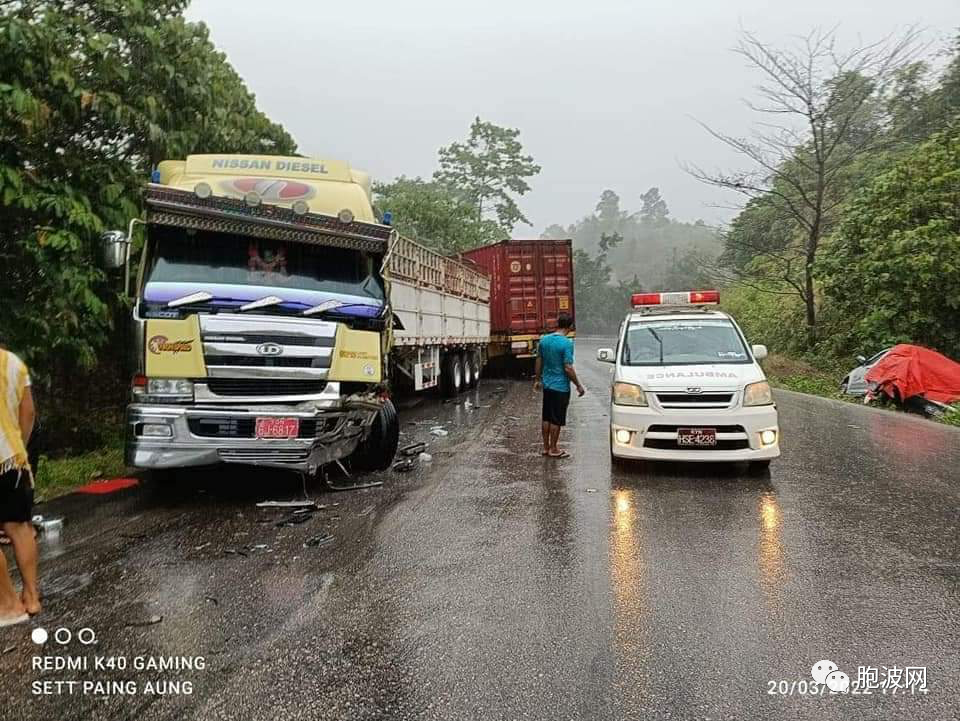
(916, 371)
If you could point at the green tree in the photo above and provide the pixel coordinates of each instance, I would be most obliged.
(892, 273)
(432, 214)
(92, 94)
(654, 209)
(600, 305)
(487, 171)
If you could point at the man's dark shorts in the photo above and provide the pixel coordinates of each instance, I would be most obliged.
(555, 407)
(16, 497)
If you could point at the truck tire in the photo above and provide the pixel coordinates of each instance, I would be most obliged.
(451, 375)
(468, 379)
(376, 451)
(471, 360)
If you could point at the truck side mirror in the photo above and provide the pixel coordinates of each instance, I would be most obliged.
(114, 247)
(759, 352)
(860, 359)
(605, 355)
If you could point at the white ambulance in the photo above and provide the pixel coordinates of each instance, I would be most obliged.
(687, 386)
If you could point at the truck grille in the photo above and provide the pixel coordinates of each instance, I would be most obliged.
(267, 347)
(258, 338)
(244, 387)
(261, 362)
(226, 427)
(262, 455)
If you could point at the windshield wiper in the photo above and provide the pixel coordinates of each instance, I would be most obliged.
(659, 340)
(199, 297)
(329, 306)
(264, 302)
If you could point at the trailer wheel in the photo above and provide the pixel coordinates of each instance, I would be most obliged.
(471, 365)
(376, 451)
(468, 377)
(451, 375)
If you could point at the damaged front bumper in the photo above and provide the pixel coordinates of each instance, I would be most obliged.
(162, 436)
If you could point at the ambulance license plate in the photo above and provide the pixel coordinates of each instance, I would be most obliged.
(697, 437)
(278, 427)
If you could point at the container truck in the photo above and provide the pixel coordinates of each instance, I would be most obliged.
(531, 284)
(274, 310)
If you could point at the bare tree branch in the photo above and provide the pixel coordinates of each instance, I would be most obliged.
(821, 114)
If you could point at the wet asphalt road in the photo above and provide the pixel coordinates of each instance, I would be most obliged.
(495, 584)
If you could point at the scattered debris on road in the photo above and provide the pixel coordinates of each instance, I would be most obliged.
(306, 503)
(148, 621)
(321, 540)
(439, 431)
(425, 457)
(296, 518)
(403, 466)
(413, 449)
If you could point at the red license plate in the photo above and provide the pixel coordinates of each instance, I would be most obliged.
(698, 437)
(278, 427)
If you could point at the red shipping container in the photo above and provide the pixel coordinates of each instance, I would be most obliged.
(531, 283)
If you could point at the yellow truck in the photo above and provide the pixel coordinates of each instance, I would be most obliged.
(275, 311)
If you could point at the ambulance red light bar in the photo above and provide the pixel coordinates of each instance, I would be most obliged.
(686, 297)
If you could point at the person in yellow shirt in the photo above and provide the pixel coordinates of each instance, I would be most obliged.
(17, 416)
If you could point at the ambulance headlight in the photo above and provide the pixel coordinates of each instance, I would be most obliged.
(628, 394)
(757, 394)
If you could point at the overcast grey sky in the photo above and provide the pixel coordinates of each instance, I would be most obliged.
(602, 91)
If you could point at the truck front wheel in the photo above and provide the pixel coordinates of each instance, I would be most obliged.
(376, 451)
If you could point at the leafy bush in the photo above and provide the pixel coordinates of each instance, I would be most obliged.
(774, 320)
(892, 273)
(952, 417)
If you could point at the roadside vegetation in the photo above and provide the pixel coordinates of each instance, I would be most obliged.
(56, 476)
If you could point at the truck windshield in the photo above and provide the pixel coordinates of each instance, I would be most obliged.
(683, 342)
(214, 258)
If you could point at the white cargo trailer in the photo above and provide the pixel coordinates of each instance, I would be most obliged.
(441, 308)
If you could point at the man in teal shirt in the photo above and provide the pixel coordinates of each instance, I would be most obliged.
(554, 371)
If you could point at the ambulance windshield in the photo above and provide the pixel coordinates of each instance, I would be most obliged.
(683, 342)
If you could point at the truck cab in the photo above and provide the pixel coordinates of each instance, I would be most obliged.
(261, 317)
(687, 386)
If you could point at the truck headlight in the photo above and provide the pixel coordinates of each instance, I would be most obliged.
(164, 390)
(757, 394)
(628, 394)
